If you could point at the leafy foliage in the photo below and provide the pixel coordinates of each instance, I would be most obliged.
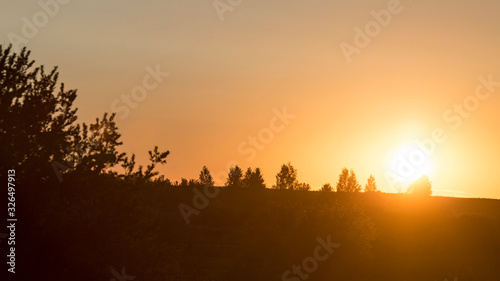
(286, 177)
(37, 116)
(205, 177)
(327, 187)
(348, 182)
(39, 134)
(254, 179)
(303, 186)
(343, 180)
(352, 183)
(235, 177)
(94, 146)
(371, 185)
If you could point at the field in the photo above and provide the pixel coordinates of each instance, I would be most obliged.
(108, 230)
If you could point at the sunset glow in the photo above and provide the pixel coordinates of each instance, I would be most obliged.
(213, 85)
(409, 163)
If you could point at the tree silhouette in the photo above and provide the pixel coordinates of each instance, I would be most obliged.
(253, 179)
(93, 148)
(205, 177)
(421, 187)
(303, 187)
(342, 184)
(352, 183)
(327, 187)
(235, 177)
(248, 178)
(140, 176)
(286, 177)
(37, 117)
(193, 183)
(37, 129)
(164, 181)
(184, 182)
(371, 185)
(155, 157)
(348, 182)
(257, 180)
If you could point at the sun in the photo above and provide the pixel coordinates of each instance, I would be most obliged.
(409, 162)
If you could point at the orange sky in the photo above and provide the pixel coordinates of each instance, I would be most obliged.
(227, 77)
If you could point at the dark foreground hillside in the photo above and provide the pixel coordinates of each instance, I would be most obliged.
(109, 230)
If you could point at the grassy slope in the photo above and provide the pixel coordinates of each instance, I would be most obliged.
(81, 233)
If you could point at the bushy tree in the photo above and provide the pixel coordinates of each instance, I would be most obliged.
(205, 177)
(247, 178)
(38, 133)
(235, 177)
(254, 179)
(342, 184)
(327, 187)
(162, 180)
(193, 183)
(348, 182)
(37, 116)
(184, 182)
(421, 187)
(303, 186)
(93, 150)
(286, 177)
(371, 185)
(258, 179)
(352, 183)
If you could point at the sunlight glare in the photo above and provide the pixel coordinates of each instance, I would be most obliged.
(408, 162)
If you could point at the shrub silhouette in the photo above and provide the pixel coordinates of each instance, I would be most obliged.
(421, 187)
(327, 187)
(303, 186)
